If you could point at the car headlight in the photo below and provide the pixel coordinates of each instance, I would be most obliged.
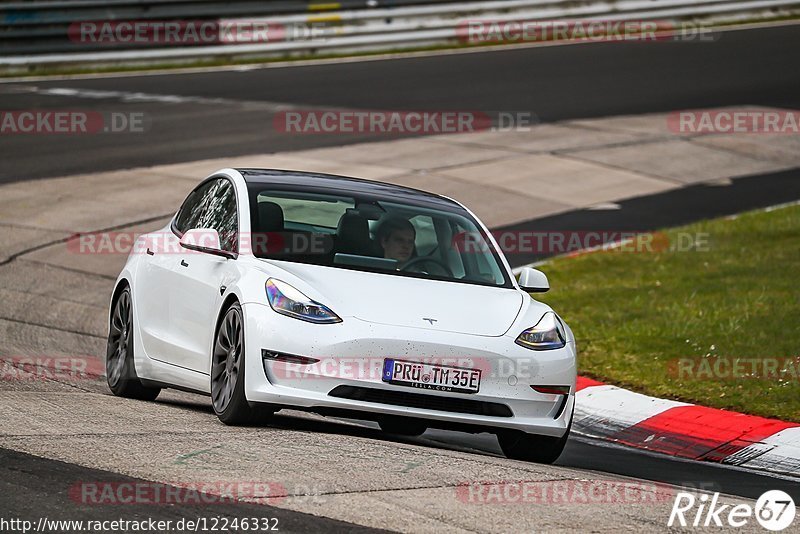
(548, 334)
(288, 300)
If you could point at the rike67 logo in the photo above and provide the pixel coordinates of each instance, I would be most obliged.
(774, 511)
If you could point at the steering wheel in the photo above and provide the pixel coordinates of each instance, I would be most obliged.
(428, 259)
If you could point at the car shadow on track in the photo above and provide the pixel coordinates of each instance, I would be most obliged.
(300, 421)
(581, 453)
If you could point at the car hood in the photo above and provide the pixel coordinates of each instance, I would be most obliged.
(405, 301)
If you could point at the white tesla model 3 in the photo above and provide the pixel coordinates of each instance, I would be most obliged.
(347, 297)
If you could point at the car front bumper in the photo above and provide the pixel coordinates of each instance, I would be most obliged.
(351, 355)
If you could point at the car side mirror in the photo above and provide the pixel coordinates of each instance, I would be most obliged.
(205, 240)
(533, 280)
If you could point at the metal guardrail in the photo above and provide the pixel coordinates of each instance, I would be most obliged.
(39, 32)
(64, 12)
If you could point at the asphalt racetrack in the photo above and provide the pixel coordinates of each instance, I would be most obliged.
(229, 113)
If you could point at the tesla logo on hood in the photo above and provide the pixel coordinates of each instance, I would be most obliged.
(429, 320)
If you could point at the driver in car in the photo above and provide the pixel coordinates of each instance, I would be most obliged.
(396, 237)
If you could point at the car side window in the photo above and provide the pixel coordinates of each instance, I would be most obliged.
(211, 205)
(191, 211)
(220, 214)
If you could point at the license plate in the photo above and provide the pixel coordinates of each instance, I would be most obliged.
(433, 377)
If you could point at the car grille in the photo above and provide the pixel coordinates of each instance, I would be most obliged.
(416, 400)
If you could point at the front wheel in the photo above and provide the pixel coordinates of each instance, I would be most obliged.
(120, 369)
(227, 370)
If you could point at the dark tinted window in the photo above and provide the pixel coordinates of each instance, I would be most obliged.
(220, 214)
(191, 211)
(212, 205)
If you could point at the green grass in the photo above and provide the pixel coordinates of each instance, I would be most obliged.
(635, 314)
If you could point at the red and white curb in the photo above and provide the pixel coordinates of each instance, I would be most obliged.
(686, 430)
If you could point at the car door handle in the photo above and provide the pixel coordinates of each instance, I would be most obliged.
(150, 252)
(183, 262)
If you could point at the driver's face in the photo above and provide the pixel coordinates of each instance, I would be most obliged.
(399, 245)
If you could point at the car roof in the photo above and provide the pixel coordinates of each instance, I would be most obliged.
(341, 184)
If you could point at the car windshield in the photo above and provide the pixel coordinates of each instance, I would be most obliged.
(439, 241)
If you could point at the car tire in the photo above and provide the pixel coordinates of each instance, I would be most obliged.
(227, 371)
(402, 426)
(120, 368)
(518, 445)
